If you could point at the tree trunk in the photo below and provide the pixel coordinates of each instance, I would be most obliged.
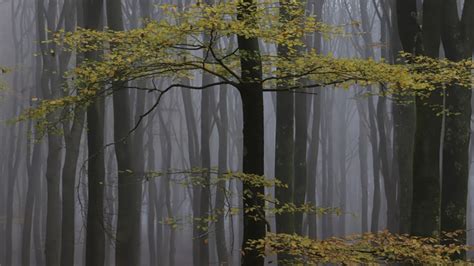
(72, 138)
(253, 136)
(222, 127)
(363, 142)
(205, 194)
(53, 164)
(457, 43)
(95, 235)
(129, 181)
(426, 165)
(33, 168)
(313, 149)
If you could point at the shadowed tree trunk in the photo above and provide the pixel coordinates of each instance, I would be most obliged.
(457, 42)
(425, 212)
(285, 139)
(53, 163)
(95, 237)
(253, 134)
(72, 138)
(404, 116)
(129, 181)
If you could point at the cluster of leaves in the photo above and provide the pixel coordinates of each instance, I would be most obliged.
(368, 248)
(3, 71)
(197, 177)
(199, 40)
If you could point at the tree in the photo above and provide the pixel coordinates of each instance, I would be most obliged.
(426, 166)
(130, 187)
(458, 42)
(50, 89)
(95, 236)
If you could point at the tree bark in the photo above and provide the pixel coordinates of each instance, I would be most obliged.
(457, 42)
(95, 235)
(222, 127)
(253, 135)
(129, 181)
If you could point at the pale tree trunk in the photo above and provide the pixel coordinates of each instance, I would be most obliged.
(315, 42)
(222, 128)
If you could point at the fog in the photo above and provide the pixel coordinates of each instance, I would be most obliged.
(345, 148)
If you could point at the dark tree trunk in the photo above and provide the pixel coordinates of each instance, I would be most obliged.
(425, 212)
(72, 138)
(95, 236)
(301, 140)
(49, 87)
(404, 115)
(284, 155)
(457, 43)
(129, 181)
(253, 135)
(284, 139)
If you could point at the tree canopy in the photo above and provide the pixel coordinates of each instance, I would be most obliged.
(174, 47)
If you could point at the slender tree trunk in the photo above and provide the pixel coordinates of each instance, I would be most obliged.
(72, 137)
(33, 150)
(193, 149)
(374, 227)
(284, 139)
(152, 195)
(313, 160)
(12, 172)
(372, 125)
(313, 149)
(206, 177)
(222, 128)
(363, 142)
(341, 151)
(301, 140)
(166, 155)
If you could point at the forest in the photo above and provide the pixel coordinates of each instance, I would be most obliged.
(236, 132)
